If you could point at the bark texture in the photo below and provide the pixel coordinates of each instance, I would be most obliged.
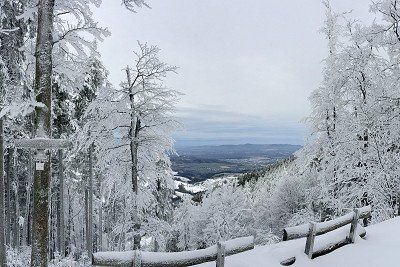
(2, 191)
(8, 194)
(43, 82)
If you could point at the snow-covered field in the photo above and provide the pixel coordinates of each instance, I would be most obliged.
(379, 248)
(202, 186)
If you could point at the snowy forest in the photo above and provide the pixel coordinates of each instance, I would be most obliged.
(86, 163)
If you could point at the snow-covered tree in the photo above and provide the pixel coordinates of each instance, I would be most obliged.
(131, 128)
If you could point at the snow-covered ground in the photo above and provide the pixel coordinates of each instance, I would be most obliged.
(379, 248)
(201, 186)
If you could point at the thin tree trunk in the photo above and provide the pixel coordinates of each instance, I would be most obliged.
(134, 146)
(15, 210)
(52, 220)
(27, 205)
(16, 219)
(2, 191)
(26, 214)
(61, 217)
(100, 242)
(57, 210)
(87, 219)
(8, 199)
(69, 224)
(121, 236)
(43, 82)
(89, 214)
(13, 198)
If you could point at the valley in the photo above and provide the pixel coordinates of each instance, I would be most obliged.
(199, 163)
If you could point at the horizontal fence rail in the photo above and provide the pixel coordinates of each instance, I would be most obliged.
(302, 230)
(174, 259)
(312, 229)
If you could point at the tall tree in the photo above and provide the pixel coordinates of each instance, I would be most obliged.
(131, 128)
(43, 83)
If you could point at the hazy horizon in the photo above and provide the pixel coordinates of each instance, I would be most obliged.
(246, 82)
(196, 143)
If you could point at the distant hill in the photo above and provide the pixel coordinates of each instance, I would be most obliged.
(242, 151)
(199, 163)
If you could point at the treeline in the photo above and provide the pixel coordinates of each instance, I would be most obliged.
(252, 177)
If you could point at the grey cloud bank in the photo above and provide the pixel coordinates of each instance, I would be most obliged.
(211, 126)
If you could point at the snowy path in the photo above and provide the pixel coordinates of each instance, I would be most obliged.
(381, 247)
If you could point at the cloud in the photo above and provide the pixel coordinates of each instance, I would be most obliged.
(234, 58)
(210, 125)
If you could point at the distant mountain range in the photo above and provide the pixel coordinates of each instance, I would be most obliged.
(199, 163)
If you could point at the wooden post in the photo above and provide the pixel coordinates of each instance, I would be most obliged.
(310, 240)
(220, 255)
(137, 260)
(353, 227)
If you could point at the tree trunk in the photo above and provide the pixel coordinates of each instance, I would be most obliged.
(134, 146)
(25, 232)
(27, 211)
(89, 214)
(69, 224)
(12, 191)
(43, 82)
(2, 191)
(15, 209)
(86, 232)
(16, 225)
(100, 241)
(8, 199)
(61, 226)
(51, 219)
(54, 218)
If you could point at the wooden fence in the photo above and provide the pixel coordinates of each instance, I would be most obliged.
(312, 229)
(174, 259)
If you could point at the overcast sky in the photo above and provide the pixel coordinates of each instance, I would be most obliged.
(247, 67)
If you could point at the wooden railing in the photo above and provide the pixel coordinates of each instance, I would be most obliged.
(312, 229)
(174, 259)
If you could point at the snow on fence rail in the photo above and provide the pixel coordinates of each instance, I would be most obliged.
(174, 259)
(312, 229)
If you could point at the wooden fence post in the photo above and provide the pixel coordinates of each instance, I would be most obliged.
(137, 260)
(353, 227)
(310, 240)
(220, 255)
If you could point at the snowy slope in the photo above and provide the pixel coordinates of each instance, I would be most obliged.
(381, 247)
(205, 185)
